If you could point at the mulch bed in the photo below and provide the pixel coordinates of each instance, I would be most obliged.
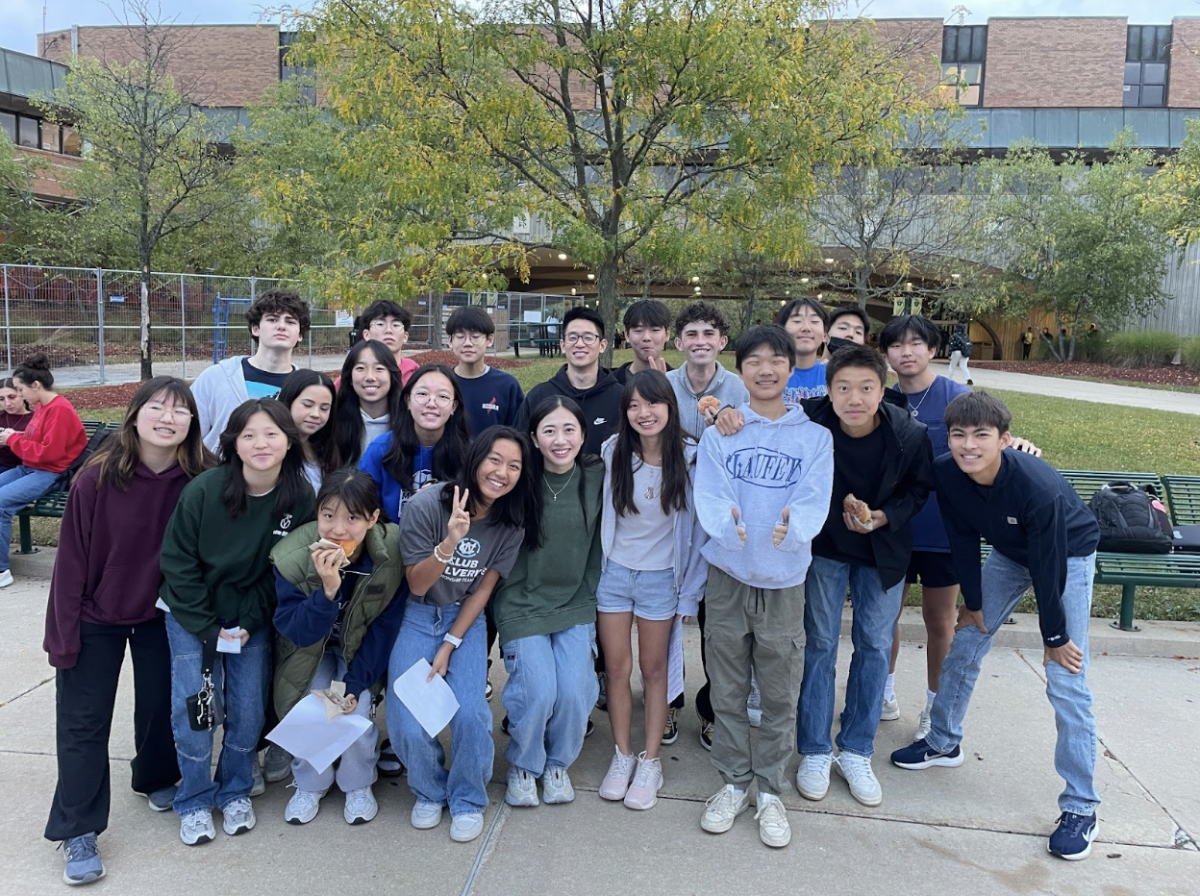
(1174, 376)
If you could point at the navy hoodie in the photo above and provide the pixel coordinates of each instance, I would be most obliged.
(601, 404)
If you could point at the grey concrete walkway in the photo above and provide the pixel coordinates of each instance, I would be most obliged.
(979, 829)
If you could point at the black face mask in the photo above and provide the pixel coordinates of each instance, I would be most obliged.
(836, 342)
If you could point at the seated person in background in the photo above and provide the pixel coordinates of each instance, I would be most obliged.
(14, 415)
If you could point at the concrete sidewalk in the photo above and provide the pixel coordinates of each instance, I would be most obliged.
(979, 829)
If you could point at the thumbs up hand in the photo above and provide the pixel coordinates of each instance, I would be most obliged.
(781, 528)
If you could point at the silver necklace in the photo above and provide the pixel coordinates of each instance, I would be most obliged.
(915, 410)
(554, 494)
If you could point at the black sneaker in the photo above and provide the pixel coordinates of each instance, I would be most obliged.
(671, 729)
(706, 732)
(920, 755)
(591, 726)
(969, 383)
(602, 700)
(504, 724)
(487, 689)
(1072, 839)
(388, 764)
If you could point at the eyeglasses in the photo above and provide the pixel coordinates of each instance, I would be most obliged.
(585, 338)
(441, 399)
(183, 415)
(386, 324)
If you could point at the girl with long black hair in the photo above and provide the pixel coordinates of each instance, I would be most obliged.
(368, 398)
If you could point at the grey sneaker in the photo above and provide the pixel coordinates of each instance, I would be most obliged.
(277, 764)
(556, 786)
(522, 788)
(197, 827)
(162, 800)
(239, 817)
(360, 806)
(258, 785)
(83, 860)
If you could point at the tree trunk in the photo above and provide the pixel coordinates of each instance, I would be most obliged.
(606, 291)
(144, 350)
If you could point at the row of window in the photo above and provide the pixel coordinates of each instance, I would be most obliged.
(37, 133)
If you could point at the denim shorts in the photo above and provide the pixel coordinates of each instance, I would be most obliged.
(647, 594)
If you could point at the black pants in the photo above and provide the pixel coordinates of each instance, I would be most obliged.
(1025, 347)
(703, 702)
(86, 695)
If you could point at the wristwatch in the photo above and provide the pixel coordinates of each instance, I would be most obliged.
(453, 641)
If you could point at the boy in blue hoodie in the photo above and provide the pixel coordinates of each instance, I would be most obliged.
(761, 495)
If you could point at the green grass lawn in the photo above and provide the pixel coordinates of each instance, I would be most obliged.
(1075, 435)
(1163, 387)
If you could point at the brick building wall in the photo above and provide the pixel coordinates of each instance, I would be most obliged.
(214, 65)
(1183, 89)
(1055, 62)
(919, 41)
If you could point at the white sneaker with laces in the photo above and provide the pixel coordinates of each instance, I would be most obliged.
(360, 806)
(773, 827)
(238, 817)
(556, 786)
(812, 778)
(522, 788)
(303, 806)
(864, 786)
(426, 815)
(924, 725)
(620, 772)
(647, 782)
(890, 710)
(6, 578)
(722, 809)
(197, 827)
(465, 828)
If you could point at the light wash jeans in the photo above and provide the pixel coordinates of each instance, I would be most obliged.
(18, 487)
(551, 690)
(875, 612)
(1004, 584)
(464, 785)
(356, 767)
(240, 680)
(958, 359)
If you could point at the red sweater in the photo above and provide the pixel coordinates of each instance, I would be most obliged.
(53, 438)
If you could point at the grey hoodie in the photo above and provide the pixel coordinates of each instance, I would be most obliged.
(218, 390)
(768, 465)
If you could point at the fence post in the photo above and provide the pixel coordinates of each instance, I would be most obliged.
(182, 329)
(7, 322)
(253, 280)
(100, 318)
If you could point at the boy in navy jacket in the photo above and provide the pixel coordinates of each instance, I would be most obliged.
(1044, 536)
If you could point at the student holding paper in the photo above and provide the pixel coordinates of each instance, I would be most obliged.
(459, 539)
(546, 611)
(340, 586)
(219, 587)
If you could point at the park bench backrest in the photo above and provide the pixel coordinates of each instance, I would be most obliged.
(1183, 496)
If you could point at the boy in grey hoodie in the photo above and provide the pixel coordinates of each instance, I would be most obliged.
(761, 495)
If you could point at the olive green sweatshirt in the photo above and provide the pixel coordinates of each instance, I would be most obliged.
(217, 569)
(554, 588)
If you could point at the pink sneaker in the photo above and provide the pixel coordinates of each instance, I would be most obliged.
(647, 782)
(620, 773)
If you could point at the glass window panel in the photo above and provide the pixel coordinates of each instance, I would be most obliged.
(1133, 73)
(963, 50)
(50, 137)
(1147, 45)
(970, 73)
(1132, 38)
(1132, 95)
(1154, 73)
(8, 124)
(27, 131)
(70, 142)
(969, 96)
(1153, 96)
(948, 44)
(950, 74)
(979, 43)
(1163, 50)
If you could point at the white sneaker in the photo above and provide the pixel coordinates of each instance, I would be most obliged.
(722, 809)
(426, 815)
(522, 788)
(556, 786)
(360, 806)
(864, 786)
(258, 784)
(620, 772)
(465, 828)
(238, 817)
(773, 827)
(197, 827)
(303, 806)
(890, 711)
(754, 705)
(647, 782)
(812, 778)
(923, 725)
(6, 578)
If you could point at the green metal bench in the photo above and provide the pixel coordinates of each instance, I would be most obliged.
(1183, 497)
(545, 346)
(54, 502)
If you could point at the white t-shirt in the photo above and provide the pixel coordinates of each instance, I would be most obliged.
(645, 540)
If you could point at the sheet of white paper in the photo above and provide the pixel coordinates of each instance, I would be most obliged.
(675, 660)
(234, 646)
(307, 734)
(432, 703)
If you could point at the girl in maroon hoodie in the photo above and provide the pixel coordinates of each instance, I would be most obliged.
(49, 444)
(14, 415)
(102, 595)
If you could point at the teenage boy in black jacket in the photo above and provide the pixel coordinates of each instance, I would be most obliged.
(882, 456)
(1042, 534)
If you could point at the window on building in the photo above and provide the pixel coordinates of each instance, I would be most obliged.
(964, 51)
(1147, 60)
(8, 124)
(287, 71)
(27, 132)
(51, 137)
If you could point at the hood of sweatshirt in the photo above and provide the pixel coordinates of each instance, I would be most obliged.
(605, 379)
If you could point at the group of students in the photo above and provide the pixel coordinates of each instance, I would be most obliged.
(334, 536)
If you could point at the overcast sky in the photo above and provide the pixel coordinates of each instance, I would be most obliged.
(21, 20)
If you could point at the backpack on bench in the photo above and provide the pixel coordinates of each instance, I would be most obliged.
(1132, 519)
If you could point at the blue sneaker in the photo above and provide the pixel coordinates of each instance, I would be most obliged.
(920, 755)
(1072, 839)
(83, 860)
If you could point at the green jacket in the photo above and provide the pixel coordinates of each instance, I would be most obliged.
(306, 615)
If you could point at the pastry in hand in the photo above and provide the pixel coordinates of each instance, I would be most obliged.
(709, 404)
(857, 508)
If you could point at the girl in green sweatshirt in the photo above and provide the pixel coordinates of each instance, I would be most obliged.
(219, 587)
(545, 611)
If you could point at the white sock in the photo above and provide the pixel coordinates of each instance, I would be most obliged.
(889, 688)
(930, 696)
(739, 793)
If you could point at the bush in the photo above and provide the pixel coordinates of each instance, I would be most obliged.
(1095, 348)
(1142, 348)
(1189, 349)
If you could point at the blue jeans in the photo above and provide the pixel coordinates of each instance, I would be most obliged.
(356, 767)
(464, 785)
(18, 487)
(875, 612)
(240, 679)
(551, 690)
(1004, 584)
